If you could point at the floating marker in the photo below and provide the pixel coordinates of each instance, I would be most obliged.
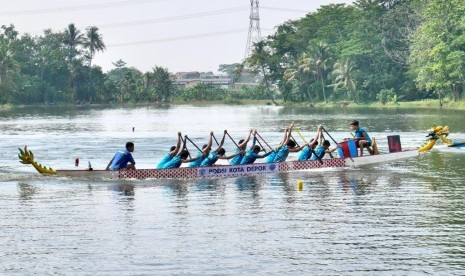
(300, 185)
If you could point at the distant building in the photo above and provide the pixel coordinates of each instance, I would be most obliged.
(191, 79)
(187, 75)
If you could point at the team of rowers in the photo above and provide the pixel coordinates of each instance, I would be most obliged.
(315, 149)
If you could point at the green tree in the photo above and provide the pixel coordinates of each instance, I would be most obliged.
(438, 53)
(8, 36)
(262, 62)
(93, 43)
(343, 73)
(162, 83)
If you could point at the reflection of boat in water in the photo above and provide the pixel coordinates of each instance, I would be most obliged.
(27, 157)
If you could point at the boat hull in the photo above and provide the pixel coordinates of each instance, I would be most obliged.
(238, 170)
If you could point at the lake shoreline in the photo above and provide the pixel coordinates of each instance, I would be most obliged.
(424, 104)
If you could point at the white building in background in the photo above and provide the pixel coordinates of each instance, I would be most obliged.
(191, 79)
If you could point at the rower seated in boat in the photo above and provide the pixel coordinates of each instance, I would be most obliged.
(252, 154)
(219, 153)
(321, 150)
(241, 149)
(180, 158)
(173, 152)
(281, 153)
(123, 160)
(309, 149)
(201, 155)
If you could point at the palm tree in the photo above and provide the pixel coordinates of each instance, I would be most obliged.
(344, 70)
(261, 62)
(7, 61)
(320, 58)
(302, 73)
(93, 42)
(72, 39)
(162, 83)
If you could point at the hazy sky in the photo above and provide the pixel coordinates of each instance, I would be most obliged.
(181, 35)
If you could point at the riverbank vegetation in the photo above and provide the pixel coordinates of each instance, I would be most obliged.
(371, 52)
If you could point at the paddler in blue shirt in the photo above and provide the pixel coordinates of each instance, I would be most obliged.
(219, 153)
(242, 147)
(180, 158)
(121, 159)
(252, 154)
(309, 148)
(323, 148)
(362, 139)
(287, 145)
(201, 155)
(173, 152)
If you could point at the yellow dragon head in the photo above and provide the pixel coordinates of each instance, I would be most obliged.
(440, 130)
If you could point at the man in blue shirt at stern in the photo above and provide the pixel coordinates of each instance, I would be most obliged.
(122, 158)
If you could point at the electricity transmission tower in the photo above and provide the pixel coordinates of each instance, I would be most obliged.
(254, 27)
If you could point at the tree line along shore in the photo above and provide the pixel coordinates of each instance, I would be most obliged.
(370, 53)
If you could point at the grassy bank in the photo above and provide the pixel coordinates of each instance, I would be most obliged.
(427, 104)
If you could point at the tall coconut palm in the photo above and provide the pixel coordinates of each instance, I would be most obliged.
(261, 62)
(72, 39)
(320, 58)
(344, 76)
(93, 42)
(302, 72)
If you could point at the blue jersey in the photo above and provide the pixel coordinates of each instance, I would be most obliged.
(121, 160)
(175, 162)
(282, 154)
(359, 133)
(249, 157)
(236, 160)
(210, 160)
(197, 162)
(270, 158)
(320, 152)
(305, 154)
(164, 160)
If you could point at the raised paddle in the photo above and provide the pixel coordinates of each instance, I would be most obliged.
(259, 136)
(300, 134)
(227, 133)
(311, 150)
(216, 141)
(193, 143)
(185, 147)
(255, 139)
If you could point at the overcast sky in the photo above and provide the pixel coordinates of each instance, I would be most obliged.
(181, 35)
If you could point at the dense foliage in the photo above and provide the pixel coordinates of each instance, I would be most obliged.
(373, 50)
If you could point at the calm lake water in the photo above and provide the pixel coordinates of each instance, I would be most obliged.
(404, 218)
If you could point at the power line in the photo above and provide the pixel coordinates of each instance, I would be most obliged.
(178, 38)
(79, 8)
(174, 18)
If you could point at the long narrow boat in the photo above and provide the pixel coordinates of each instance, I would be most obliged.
(27, 157)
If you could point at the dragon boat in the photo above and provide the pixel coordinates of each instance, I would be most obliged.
(439, 133)
(27, 157)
